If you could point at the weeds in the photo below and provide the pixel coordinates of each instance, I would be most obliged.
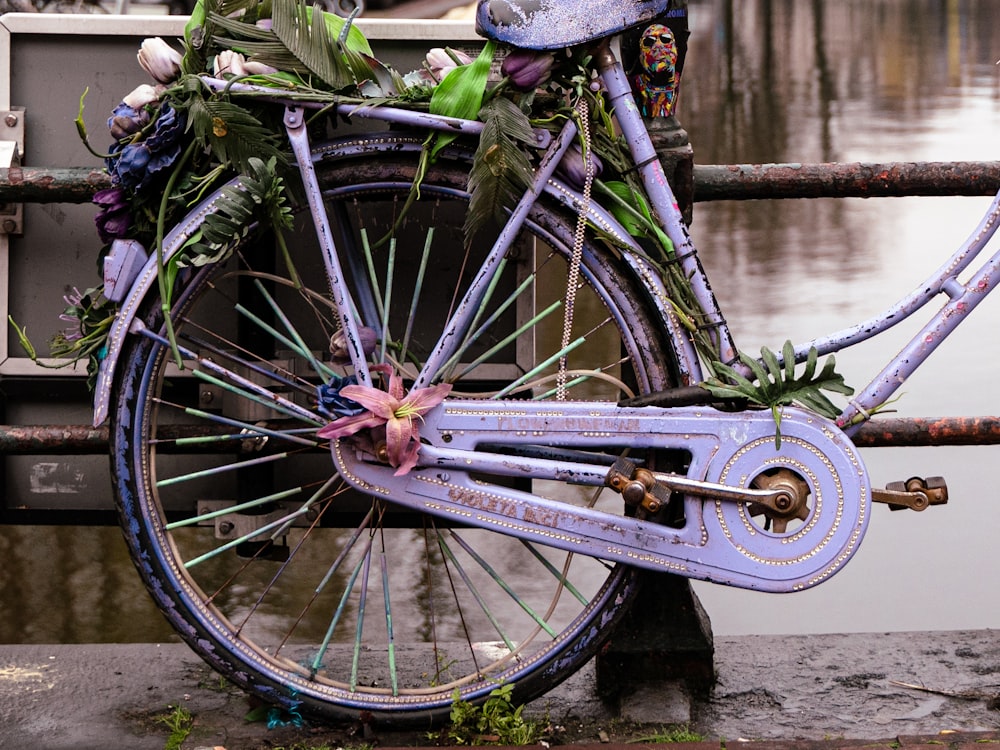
(496, 722)
(179, 721)
(666, 735)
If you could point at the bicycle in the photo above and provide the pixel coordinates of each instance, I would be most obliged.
(453, 394)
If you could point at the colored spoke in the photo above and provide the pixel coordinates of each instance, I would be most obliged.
(498, 579)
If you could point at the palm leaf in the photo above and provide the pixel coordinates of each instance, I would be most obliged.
(500, 171)
(322, 42)
(775, 385)
(233, 134)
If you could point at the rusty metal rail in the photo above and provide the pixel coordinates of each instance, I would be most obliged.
(712, 182)
(882, 433)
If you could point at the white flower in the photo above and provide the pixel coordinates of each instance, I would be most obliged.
(140, 96)
(160, 60)
(229, 62)
(234, 64)
(440, 62)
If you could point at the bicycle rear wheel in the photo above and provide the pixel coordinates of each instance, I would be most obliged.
(319, 599)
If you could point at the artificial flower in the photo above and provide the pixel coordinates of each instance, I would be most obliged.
(341, 355)
(573, 169)
(395, 409)
(115, 217)
(526, 69)
(141, 95)
(160, 60)
(330, 401)
(440, 61)
(134, 165)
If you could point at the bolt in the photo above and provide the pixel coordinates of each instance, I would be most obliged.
(207, 397)
(10, 120)
(782, 502)
(9, 226)
(226, 527)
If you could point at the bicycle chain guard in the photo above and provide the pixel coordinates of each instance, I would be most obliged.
(733, 540)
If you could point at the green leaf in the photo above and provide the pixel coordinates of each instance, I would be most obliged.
(501, 171)
(774, 385)
(460, 95)
(306, 33)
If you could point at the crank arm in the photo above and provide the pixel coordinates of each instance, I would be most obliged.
(726, 453)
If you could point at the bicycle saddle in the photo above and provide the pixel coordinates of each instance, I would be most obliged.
(554, 24)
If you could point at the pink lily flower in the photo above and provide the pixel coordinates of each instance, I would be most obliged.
(394, 409)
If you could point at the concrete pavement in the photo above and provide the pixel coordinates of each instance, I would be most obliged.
(782, 692)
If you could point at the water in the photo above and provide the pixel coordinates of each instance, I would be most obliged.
(792, 81)
(896, 80)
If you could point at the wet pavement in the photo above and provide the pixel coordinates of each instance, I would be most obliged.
(897, 689)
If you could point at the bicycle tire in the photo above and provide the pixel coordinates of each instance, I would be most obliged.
(264, 632)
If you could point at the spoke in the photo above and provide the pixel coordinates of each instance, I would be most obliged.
(228, 437)
(239, 508)
(251, 430)
(360, 624)
(320, 369)
(245, 538)
(538, 368)
(510, 338)
(475, 593)
(387, 303)
(321, 652)
(417, 287)
(499, 580)
(253, 362)
(208, 364)
(331, 571)
(504, 306)
(235, 466)
(271, 401)
(388, 623)
(559, 575)
(372, 276)
(281, 568)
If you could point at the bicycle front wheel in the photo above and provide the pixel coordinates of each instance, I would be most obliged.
(314, 597)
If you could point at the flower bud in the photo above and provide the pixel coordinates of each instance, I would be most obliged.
(440, 62)
(140, 96)
(160, 60)
(255, 68)
(339, 351)
(572, 167)
(526, 69)
(229, 62)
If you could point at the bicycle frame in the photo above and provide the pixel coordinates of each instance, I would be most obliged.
(660, 547)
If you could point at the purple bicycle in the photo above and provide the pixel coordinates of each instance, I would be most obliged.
(397, 441)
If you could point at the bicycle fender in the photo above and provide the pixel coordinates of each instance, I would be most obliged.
(145, 282)
(390, 143)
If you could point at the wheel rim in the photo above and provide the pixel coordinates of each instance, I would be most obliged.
(358, 606)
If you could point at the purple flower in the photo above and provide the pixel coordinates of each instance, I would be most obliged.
(114, 218)
(526, 69)
(134, 165)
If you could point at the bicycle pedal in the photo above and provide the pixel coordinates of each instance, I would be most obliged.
(915, 493)
(637, 486)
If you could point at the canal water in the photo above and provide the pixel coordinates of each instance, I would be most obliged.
(765, 81)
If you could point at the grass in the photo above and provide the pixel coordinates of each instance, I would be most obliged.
(179, 721)
(671, 734)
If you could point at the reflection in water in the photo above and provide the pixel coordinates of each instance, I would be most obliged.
(894, 80)
(765, 81)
